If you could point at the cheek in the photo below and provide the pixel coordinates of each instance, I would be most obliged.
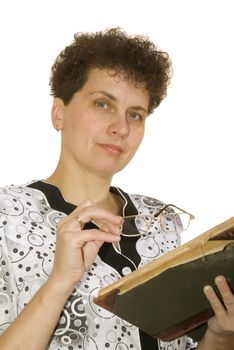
(82, 134)
(138, 137)
(74, 125)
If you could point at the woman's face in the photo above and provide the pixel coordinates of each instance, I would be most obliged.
(103, 125)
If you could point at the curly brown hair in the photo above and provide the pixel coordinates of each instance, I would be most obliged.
(141, 61)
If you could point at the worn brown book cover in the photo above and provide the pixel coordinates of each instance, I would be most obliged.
(165, 297)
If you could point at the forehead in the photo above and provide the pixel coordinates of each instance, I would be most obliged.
(116, 81)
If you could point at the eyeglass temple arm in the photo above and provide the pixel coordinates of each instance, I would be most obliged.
(172, 205)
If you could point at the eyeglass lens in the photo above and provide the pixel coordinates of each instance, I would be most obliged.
(166, 222)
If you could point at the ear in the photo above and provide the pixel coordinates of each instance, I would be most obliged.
(57, 113)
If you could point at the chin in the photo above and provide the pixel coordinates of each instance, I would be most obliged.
(108, 171)
(110, 168)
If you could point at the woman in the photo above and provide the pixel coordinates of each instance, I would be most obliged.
(61, 238)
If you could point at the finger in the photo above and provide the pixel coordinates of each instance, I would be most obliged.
(99, 216)
(88, 247)
(95, 235)
(77, 217)
(225, 291)
(88, 212)
(70, 223)
(75, 212)
(107, 227)
(96, 214)
(76, 223)
(80, 206)
(215, 302)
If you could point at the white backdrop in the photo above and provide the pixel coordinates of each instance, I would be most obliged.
(187, 155)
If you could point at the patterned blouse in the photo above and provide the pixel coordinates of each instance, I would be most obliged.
(28, 218)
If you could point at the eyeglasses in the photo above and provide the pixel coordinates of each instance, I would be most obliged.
(169, 219)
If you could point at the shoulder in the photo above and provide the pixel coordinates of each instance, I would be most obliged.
(146, 200)
(14, 199)
(145, 203)
(24, 212)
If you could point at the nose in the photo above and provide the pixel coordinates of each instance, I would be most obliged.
(119, 126)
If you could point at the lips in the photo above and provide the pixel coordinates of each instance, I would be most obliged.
(111, 148)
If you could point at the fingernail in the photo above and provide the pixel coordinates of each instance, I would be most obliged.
(219, 279)
(207, 288)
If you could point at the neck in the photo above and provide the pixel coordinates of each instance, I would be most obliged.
(81, 185)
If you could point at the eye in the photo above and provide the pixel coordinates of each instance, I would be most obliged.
(135, 116)
(101, 105)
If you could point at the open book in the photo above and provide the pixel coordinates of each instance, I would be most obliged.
(165, 297)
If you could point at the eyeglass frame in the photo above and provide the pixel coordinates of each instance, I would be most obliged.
(156, 215)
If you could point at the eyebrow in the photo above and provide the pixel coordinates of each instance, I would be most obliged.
(113, 98)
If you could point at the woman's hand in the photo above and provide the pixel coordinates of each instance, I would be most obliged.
(76, 249)
(223, 321)
(220, 331)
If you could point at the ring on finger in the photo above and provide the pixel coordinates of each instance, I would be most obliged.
(79, 219)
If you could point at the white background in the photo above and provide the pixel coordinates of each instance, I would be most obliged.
(187, 155)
